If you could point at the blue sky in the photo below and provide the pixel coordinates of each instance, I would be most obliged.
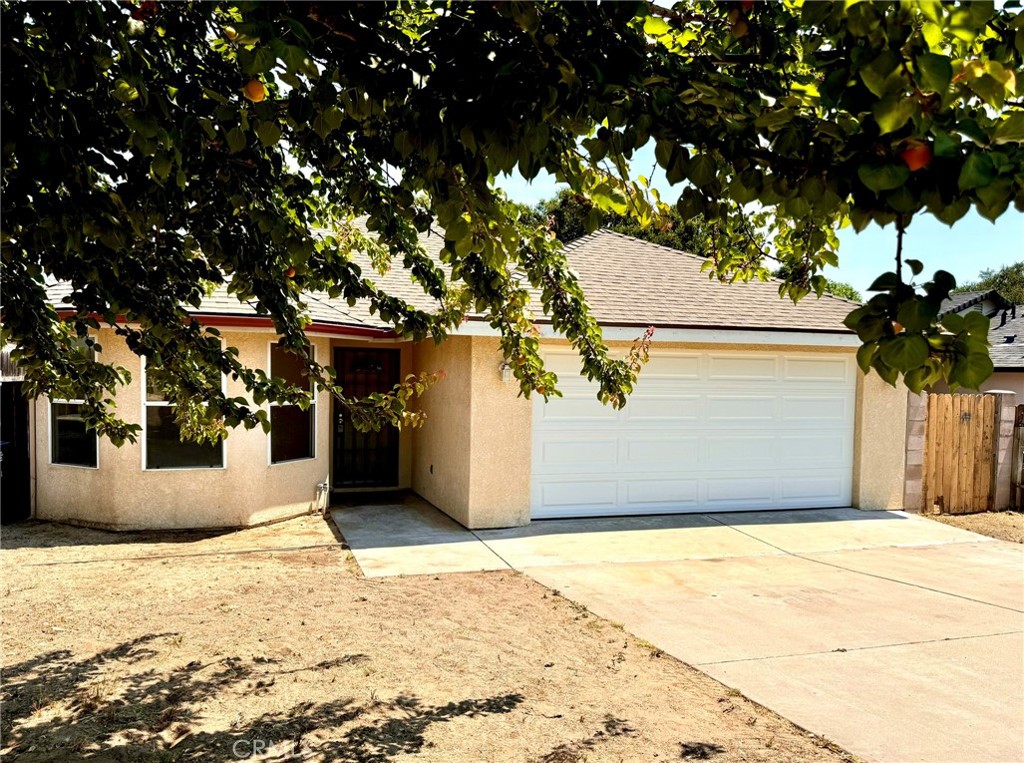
(972, 245)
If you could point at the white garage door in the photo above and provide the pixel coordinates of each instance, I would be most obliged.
(703, 431)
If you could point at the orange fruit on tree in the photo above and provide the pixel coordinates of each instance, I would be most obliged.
(917, 155)
(254, 90)
(289, 273)
(230, 32)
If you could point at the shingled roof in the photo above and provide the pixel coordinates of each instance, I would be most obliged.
(1007, 340)
(628, 282)
(963, 300)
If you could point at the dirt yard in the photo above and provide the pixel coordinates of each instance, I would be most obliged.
(1007, 525)
(268, 644)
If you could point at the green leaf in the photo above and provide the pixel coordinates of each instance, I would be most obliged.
(976, 324)
(702, 170)
(904, 352)
(865, 354)
(977, 172)
(936, 72)
(268, 133)
(236, 140)
(885, 282)
(161, 167)
(916, 266)
(655, 26)
(883, 177)
(893, 111)
(916, 315)
(972, 370)
(1010, 129)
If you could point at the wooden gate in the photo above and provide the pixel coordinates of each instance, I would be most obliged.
(959, 453)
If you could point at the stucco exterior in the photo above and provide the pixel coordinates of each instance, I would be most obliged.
(121, 494)
(879, 450)
(471, 458)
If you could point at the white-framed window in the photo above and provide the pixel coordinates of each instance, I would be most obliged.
(292, 430)
(71, 443)
(162, 447)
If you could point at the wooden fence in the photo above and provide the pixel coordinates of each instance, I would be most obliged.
(959, 455)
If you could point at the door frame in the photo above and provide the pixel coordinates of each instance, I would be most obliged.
(392, 435)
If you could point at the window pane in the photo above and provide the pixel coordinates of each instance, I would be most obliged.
(289, 367)
(291, 433)
(72, 442)
(165, 450)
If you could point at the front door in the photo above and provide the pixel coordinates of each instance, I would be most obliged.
(365, 459)
(14, 457)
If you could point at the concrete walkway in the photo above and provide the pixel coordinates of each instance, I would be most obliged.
(898, 638)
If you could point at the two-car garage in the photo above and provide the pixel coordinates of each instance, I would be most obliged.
(712, 430)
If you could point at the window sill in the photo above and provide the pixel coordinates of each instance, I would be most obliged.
(293, 461)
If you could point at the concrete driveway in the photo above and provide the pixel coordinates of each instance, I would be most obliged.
(898, 638)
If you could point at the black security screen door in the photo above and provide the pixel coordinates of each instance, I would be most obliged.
(365, 459)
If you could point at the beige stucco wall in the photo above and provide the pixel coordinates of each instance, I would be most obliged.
(122, 495)
(442, 446)
(879, 448)
(471, 458)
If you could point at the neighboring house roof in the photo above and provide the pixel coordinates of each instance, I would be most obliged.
(1008, 355)
(964, 300)
(628, 282)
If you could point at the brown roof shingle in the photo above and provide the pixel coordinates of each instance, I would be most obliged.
(634, 282)
(628, 282)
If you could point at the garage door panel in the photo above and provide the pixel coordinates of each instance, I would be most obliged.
(743, 367)
(814, 448)
(713, 431)
(739, 491)
(577, 408)
(662, 408)
(575, 454)
(819, 410)
(660, 454)
(672, 368)
(740, 408)
(653, 492)
(832, 370)
(742, 448)
(577, 493)
(812, 490)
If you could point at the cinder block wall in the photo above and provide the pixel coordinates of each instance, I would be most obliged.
(917, 422)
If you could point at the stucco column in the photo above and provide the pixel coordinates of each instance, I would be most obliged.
(880, 441)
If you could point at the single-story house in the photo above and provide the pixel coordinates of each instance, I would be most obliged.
(748, 403)
(1006, 340)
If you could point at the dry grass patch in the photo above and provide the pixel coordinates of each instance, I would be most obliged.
(1005, 525)
(196, 648)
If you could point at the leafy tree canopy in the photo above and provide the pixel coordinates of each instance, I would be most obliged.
(153, 149)
(1008, 281)
(835, 288)
(570, 215)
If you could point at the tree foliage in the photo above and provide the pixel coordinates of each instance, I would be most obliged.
(570, 215)
(1008, 281)
(152, 150)
(829, 286)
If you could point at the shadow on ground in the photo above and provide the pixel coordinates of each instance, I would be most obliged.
(58, 708)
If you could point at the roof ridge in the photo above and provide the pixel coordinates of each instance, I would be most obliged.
(701, 257)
